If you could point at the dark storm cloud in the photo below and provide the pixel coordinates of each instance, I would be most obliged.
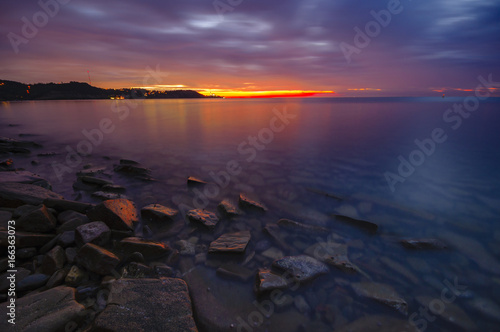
(438, 43)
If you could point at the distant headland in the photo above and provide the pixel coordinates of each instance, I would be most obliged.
(11, 90)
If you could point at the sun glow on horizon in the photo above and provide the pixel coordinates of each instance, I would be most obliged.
(264, 94)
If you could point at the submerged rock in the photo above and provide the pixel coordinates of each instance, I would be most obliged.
(192, 181)
(24, 177)
(228, 209)
(423, 244)
(334, 254)
(267, 281)
(382, 293)
(231, 242)
(451, 313)
(167, 308)
(97, 259)
(486, 307)
(157, 212)
(51, 310)
(235, 271)
(302, 268)
(246, 202)
(302, 228)
(366, 225)
(16, 194)
(106, 196)
(209, 219)
(119, 214)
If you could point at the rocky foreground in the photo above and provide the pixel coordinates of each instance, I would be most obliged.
(90, 267)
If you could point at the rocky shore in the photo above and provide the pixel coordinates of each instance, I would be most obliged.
(98, 267)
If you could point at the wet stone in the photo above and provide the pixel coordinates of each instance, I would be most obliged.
(75, 276)
(423, 244)
(246, 202)
(193, 181)
(166, 298)
(51, 310)
(107, 195)
(231, 242)
(148, 248)
(382, 293)
(228, 209)
(26, 253)
(54, 260)
(32, 282)
(16, 194)
(66, 239)
(235, 271)
(302, 268)
(113, 188)
(97, 259)
(24, 177)
(366, 225)
(119, 214)
(159, 213)
(267, 281)
(39, 220)
(301, 227)
(209, 219)
(95, 232)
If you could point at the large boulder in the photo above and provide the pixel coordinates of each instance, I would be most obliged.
(97, 259)
(51, 310)
(95, 232)
(119, 214)
(13, 195)
(38, 220)
(147, 305)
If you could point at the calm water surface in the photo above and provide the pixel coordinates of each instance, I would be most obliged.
(288, 152)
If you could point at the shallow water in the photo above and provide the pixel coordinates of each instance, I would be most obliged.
(338, 146)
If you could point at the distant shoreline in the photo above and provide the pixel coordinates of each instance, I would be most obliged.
(16, 91)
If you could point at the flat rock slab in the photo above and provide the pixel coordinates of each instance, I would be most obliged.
(64, 205)
(148, 248)
(119, 214)
(382, 293)
(13, 195)
(248, 203)
(51, 310)
(302, 268)
(231, 242)
(157, 212)
(207, 218)
(24, 177)
(147, 305)
(193, 181)
(97, 259)
(431, 244)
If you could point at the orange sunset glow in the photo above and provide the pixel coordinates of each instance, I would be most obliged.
(267, 94)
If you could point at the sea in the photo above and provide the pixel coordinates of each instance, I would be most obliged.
(418, 168)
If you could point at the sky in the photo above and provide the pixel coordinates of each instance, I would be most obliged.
(255, 47)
